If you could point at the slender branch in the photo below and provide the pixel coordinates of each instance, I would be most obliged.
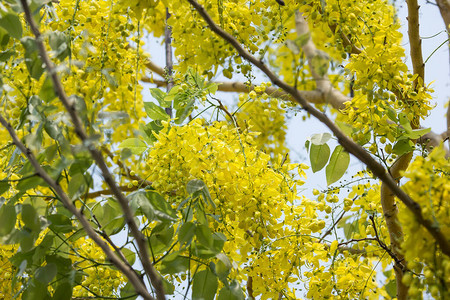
(127, 171)
(97, 156)
(398, 261)
(125, 269)
(444, 9)
(348, 144)
(96, 194)
(316, 96)
(332, 227)
(415, 40)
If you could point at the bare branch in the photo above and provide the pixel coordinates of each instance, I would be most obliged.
(125, 269)
(97, 156)
(415, 40)
(316, 96)
(348, 144)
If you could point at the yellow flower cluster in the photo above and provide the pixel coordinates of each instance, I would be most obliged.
(100, 58)
(270, 235)
(99, 278)
(428, 181)
(264, 116)
(7, 290)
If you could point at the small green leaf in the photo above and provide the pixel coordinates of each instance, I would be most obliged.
(196, 187)
(174, 263)
(63, 291)
(30, 217)
(46, 273)
(204, 285)
(4, 186)
(417, 133)
(129, 255)
(320, 138)
(232, 292)
(128, 292)
(162, 209)
(135, 145)
(47, 92)
(403, 146)
(184, 112)
(7, 219)
(160, 97)
(60, 223)
(338, 165)
(155, 112)
(186, 233)
(391, 288)
(32, 59)
(11, 22)
(318, 155)
(204, 236)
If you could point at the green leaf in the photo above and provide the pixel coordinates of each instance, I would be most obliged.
(186, 233)
(135, 145)
(204, 236)
(7, 219)
(174, 263)
(197, 187)
(155, 112)
(63, 291)
(60, 223)
(59, 42)
(345, 128)
(129, 255)
(232, 292)
(160, 96)
(318, 155)
(30, 217)
(32, 58)
(320, 138)
(139, 201)
(402, 146)
(184, 112)
(168, 287)
(11, 22)
(161, 238)
(46, 273)
(111, 79)
(150, 130)
(162, 209)
(4, 186)
(391, 288)
(47, 92)
(4, 39)
(204, 285)
(128, 292)
(79, 185)
(338, 164)
(417, 133)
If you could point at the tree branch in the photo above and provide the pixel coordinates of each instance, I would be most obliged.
(348, 144)
(97, 156)
(126, 270)
(415, 40)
